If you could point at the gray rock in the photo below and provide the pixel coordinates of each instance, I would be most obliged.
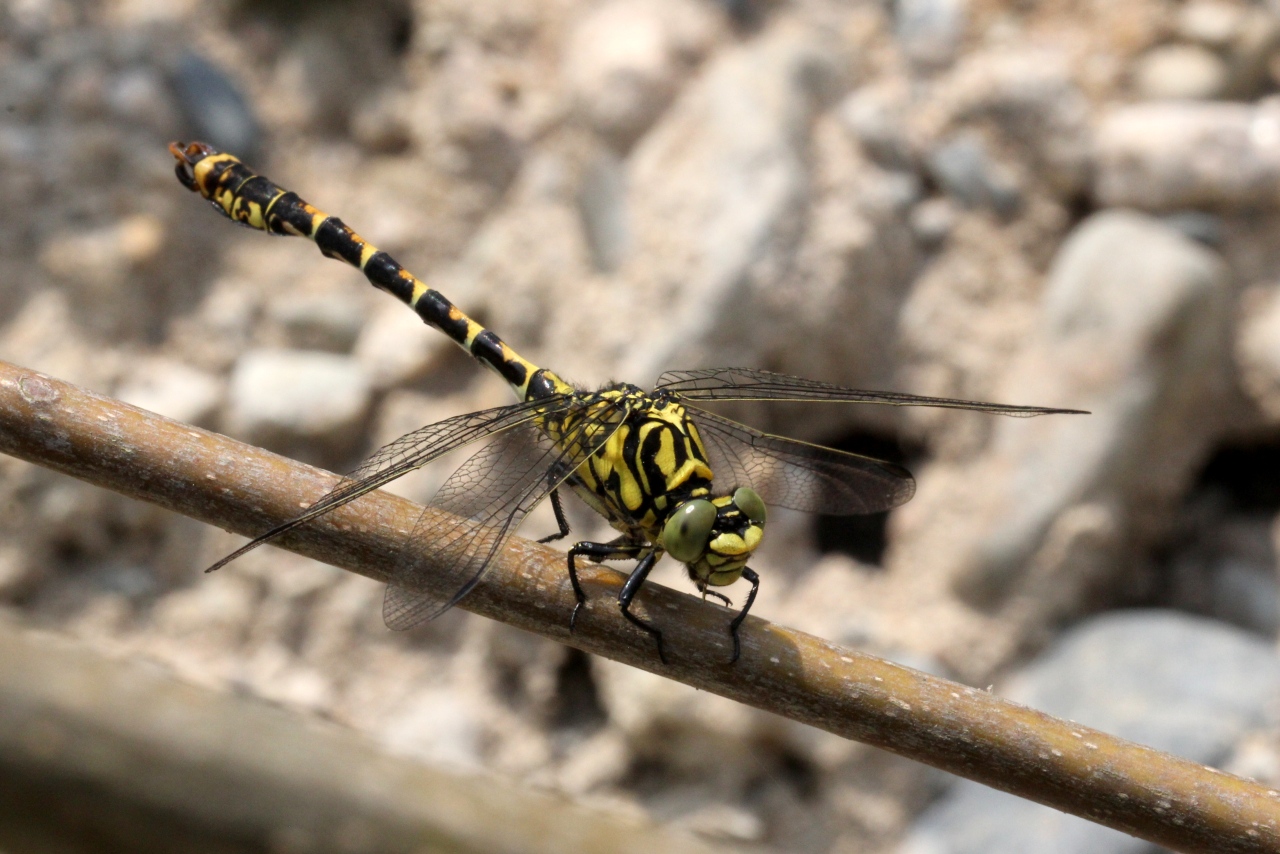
(18, 570)
(830, 309)
(932, 221)
(396, 347)
(1136, 318)
(1257, 349)
(523, 264)
(1224, 566)
(213, 106)
(281, 397)
(875, 117)
(484, 135)
(319, 321)
(602, 203)
(1180, 71)
(626, 58)
(715, 193)
(1134, 328)
(1030, 97)
(1212, 23)
(1251, 54)
(138, 95)
(102, 269)
(1199, 226)
(930, 30)
(172, 389)
(1182, 684)
(1246, 594)
(963, 167)
(1179, 155)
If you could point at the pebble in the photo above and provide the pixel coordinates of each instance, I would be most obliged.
(438, 725)
(711, 191)
(479, 122)
(395, 347)
(1030, 98)
(215, 110)
(1251, 57)
(722, 821)
(282, 397)
(172, 389)
(1224, 565)
(1199, 226)
(1180, 71)
(1171, 156)
(930, 31)
(1257, 350)
(1182, 684)
(96, 266)
(1137, 318)
(602, 204)
(320, 321)
(932, 221)
(626, 59)
(18, 571)
(874, 116)
(1212, 23)
(1134, 325)
(1245, 594)
(967, 172)
(138, 96)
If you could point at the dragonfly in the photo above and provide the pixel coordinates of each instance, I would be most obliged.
(670, 477)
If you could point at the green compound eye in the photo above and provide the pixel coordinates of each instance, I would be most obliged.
(688, 530)
(750, 503)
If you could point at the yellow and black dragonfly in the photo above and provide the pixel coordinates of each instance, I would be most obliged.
(669, 477)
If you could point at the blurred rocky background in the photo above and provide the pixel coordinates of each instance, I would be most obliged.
(1030, 201)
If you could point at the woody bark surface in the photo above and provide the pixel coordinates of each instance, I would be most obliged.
(963, 730)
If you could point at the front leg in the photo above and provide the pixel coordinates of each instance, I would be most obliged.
(629, 590)
(750, 575)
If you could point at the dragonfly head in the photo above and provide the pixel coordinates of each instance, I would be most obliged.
(715, 537)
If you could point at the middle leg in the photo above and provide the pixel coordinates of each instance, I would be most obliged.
(595, 552)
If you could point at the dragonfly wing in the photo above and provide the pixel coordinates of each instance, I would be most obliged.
(409, 452)
(483, 503)
(798, 475)
(752, 384)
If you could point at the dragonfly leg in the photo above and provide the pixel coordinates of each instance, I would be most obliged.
(560, 519)
(728, 603)
(750, 575)
(629, 590)
(595, 552)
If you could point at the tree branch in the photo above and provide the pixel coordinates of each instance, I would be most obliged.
(960, 729)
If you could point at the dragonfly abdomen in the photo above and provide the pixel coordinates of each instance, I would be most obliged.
(248, 198)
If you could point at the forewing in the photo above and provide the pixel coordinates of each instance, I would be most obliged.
(409, 452)
(798, 475)
(482, 504)
(751, 384)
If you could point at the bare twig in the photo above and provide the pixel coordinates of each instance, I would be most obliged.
(193, 752)
(966, 731)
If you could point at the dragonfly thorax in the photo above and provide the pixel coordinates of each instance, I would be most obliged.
(652, 462)
(652, 480)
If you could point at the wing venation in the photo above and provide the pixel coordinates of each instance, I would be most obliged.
(793, 474)
(752, 384)
(479, 507)
(396, 459)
